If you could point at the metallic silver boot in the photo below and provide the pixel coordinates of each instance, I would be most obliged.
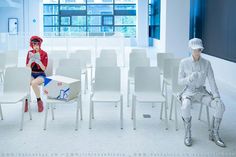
(214, 134)
(187, 125)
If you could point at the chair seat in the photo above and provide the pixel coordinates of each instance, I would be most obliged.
(12, 97)
(149, 97)
(106, 96)
(56, 101)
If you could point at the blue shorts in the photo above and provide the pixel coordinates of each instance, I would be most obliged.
(38, 74)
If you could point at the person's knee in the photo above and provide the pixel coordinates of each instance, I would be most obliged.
(186, 104)
(206, 100)
(220, 106)
(34, 83)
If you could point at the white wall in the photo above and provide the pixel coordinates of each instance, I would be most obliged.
(174, 29)
(142, 32)
(225, 71)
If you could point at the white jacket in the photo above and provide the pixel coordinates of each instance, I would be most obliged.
(202, 68)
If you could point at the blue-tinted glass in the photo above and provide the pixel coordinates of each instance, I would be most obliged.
(50, 1)
(126, 30)
(78, 29)
(107, 20)
(72, 1)
(107, 29)
(125, 7)
(50, 9)
(100, 9)
(65, 20)
(50, 20)
(125, 20)
(94, 20)
(125, 1)
(73, 7)
(78, 20)
(99, 2)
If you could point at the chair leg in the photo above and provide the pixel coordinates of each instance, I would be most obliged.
(77, 114)
(161, 111)
(121, 111)
(176, 118)
(166, 95)
(134, 112)
(200, 112)
(86, 79)
(46, 116)
(128, 93)
(22, 115)
(30, 113)
(90, 114)
(166, 116)
(1, 112)
(162, 87)
(52, 110)
(171, 107)
(208, 118)
(80, 103)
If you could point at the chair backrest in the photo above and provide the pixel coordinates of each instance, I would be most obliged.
(69, 63)
(105, 62)
(147, 79)
(137, 59)
(107, 79)
(139, 50)
(57, 55)
(176, 88)
(49, 69)
(107, 52)
(84, 56)
(17, 79)
(12, 58)
(169, 64)
(160, 59)
(2, 61)
(73, 72)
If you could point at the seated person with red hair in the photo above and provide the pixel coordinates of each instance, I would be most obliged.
(37, 60)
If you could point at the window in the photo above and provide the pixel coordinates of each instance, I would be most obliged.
(154, 18)
(94, 16)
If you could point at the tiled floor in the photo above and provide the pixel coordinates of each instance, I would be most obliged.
(106, 138)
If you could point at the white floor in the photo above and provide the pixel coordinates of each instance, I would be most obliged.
(106, 138)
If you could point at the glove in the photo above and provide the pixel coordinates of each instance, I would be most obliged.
(193, 76)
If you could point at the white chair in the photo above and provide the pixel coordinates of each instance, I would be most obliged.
(135, 59)
(139, 50)
(2, 65)
(11, 58)
(160, 60)
(49, 69)
(72, 72)
(85, 58)
(106, 89)
(169, 64)
(16, 90)
(147, 89)
(56, 56)
(176, 90)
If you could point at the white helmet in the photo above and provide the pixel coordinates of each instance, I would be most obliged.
(195, 43)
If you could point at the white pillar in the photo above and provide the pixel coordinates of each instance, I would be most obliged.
(142, 32)
(175, 20)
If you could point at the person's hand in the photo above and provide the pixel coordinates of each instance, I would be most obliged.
(31, 55)
(217, 99)
(193, 76)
